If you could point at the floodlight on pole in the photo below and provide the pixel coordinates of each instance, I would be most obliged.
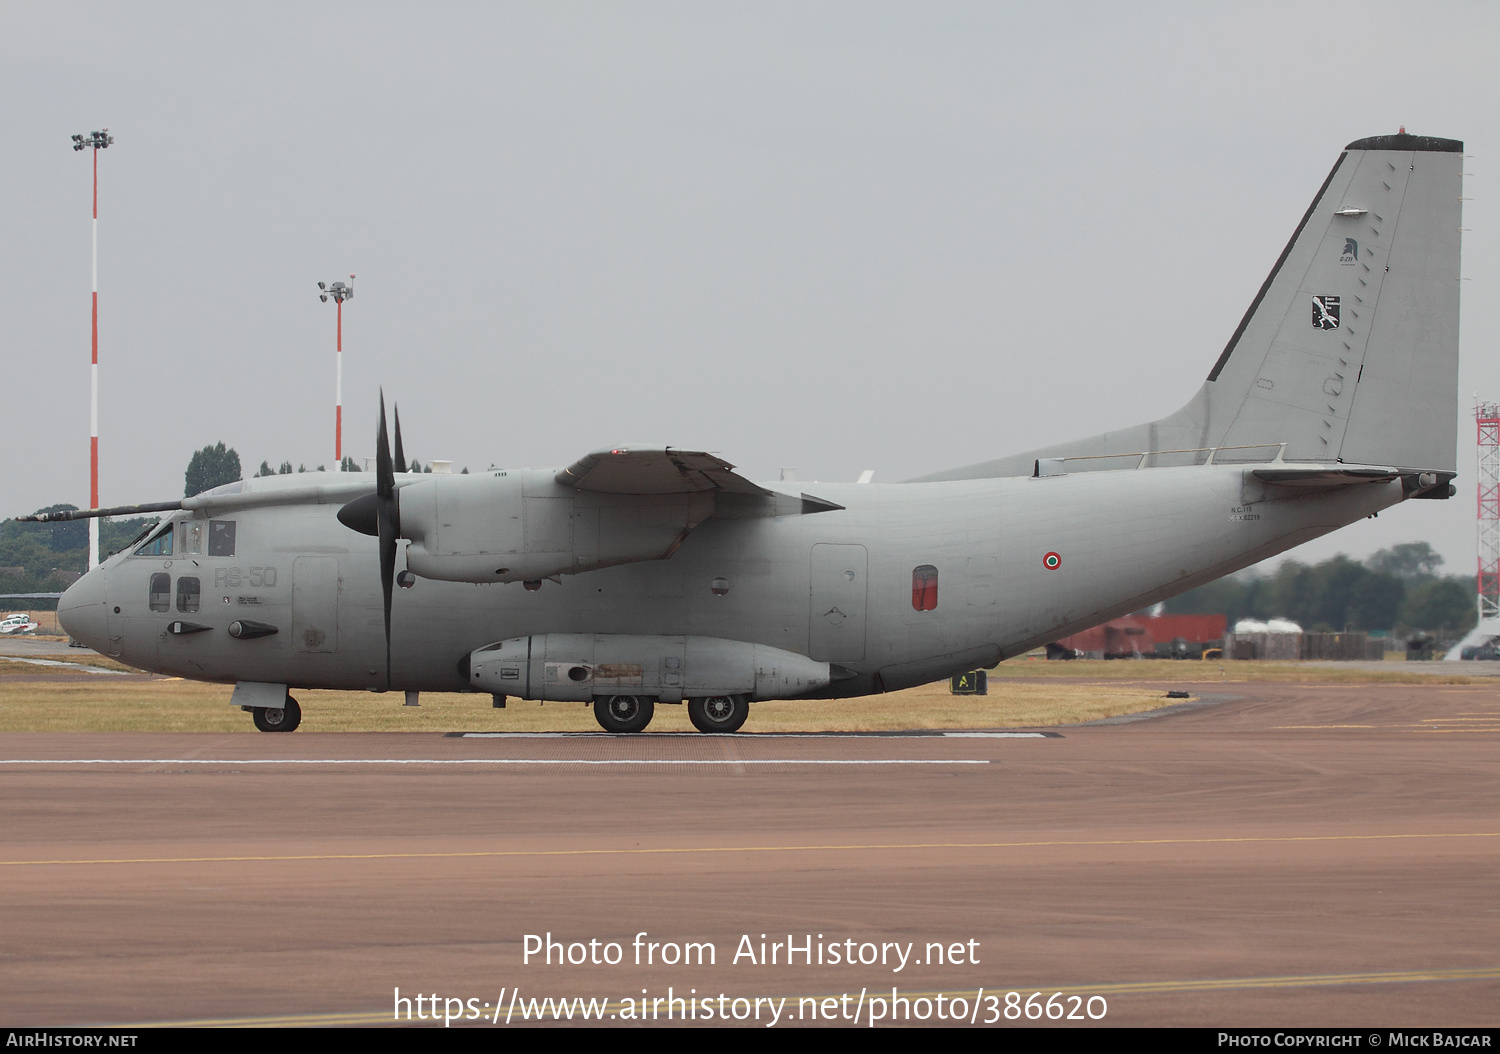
(98, 140)
(340, 291)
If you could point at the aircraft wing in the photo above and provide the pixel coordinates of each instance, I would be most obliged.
(655, 470)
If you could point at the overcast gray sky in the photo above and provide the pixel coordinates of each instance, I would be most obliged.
(834, 236)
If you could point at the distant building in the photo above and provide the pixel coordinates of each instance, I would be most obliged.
(1144, 636)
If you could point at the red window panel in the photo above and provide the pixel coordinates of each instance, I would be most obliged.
(924, 588)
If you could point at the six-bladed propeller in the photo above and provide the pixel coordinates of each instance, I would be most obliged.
(379, 514)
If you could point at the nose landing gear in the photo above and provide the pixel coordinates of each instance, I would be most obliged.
(284, 718)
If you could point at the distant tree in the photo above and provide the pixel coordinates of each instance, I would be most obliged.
(211, 467)
(416, 466)
(1375, 601)
(285, 469)
(59, 537)
(1336, 594)
(428, 469)
(1444, 606)
(465, 472)
(348, 465)
(264, 470)
(322, 468)
(1413, 561)
(1233, 597)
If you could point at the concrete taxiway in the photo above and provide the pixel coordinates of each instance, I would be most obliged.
(1281, 854)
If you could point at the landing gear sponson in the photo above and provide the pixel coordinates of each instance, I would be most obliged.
(625, 675)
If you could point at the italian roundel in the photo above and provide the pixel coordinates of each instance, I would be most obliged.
(1052, 561)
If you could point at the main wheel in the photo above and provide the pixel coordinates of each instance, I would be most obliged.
(279, 719)
(623, 713)
(718, 713)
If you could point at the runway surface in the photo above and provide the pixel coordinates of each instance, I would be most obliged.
(1297, 854)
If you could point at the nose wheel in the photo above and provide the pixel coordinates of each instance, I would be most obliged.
(623, 713)
(278, 719)
(718, 713)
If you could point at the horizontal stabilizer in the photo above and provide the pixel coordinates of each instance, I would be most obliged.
(1324, 476)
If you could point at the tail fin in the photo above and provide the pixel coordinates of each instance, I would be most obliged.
(1349, 352)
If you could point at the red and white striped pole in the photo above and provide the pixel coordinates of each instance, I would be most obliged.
(338, 393)
(97, 140)
(340, 292)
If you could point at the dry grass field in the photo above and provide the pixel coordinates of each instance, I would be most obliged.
(52, 699)
(1024, 693)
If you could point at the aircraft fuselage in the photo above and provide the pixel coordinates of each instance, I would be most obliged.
(906, 584)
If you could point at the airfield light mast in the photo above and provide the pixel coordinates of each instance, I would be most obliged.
(1487, 418)
(99, 141)
(340, 292)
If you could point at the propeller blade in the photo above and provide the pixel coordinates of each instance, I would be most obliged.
(387, 580)
(388, 516)
(384, 481)
(400, 454)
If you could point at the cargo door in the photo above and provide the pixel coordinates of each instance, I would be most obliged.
(836, 615)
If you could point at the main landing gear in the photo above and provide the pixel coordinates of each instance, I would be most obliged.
(624, 713)
(632, 713)
(278, 719)
(718, 713)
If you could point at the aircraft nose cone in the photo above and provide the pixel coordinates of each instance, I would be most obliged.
(80, 610)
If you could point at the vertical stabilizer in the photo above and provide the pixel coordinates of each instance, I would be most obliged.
(1350, 351)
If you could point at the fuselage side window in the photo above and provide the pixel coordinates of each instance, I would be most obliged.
(221, 537)
(188, 589)
(192, 537)
(161, 591)
(159, 545)
(924, 588)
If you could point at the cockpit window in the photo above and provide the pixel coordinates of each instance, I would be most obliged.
(221, 537)
(159, 545)
(144, 531)
(192, 537)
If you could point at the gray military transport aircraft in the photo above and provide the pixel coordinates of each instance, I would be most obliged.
(635, 577)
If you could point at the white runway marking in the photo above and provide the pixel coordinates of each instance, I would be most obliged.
(752, 736)
(488, 761)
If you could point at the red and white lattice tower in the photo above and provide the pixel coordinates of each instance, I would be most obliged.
(1487, 417)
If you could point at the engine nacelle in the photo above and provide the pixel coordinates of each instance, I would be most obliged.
(520, 525)
(576, 667)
